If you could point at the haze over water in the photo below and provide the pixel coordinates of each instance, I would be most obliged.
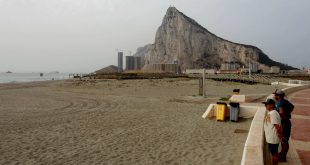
(30, 77)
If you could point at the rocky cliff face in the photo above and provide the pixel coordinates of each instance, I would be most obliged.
(181, 38)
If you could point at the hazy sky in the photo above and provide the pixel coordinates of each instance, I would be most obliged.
(82, 35)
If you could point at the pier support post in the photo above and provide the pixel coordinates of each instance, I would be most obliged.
(204, 82)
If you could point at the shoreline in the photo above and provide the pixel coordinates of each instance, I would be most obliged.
(11, 78)
(14, 85)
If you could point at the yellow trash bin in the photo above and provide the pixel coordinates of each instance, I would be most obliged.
(221, 109)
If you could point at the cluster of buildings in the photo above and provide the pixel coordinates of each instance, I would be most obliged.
(132, 63)
(237, 67)
(164, 68)
(296, 72)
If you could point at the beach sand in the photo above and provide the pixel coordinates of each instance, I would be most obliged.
(118, 122)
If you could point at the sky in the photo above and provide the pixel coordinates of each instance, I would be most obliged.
(83, 35)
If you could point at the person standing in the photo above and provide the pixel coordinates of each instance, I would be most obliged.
(272, 128)
(285, 108)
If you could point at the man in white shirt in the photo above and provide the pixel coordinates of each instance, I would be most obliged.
(272, 128)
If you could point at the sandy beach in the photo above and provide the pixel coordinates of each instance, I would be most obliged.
(118, 122)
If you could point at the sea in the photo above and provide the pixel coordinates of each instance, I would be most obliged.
(31, 77)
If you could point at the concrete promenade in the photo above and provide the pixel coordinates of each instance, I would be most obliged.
(299, 152)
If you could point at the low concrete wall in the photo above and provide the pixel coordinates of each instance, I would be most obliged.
(252, 98)
(292, 83)
(253, 151)
(247, 98)
(286, 84)
(291, 90)
(210, 112)
(299, 82)
(246, 111)
(237, 98)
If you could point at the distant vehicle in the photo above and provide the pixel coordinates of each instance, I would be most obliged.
(9, 72)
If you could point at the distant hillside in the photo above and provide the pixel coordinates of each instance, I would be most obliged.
(182, 38)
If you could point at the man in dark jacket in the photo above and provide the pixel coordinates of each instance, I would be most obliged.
(285, 109)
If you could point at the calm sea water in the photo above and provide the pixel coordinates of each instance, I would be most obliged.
(29, 77)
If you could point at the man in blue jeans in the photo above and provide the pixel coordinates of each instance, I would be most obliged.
(285, 108)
